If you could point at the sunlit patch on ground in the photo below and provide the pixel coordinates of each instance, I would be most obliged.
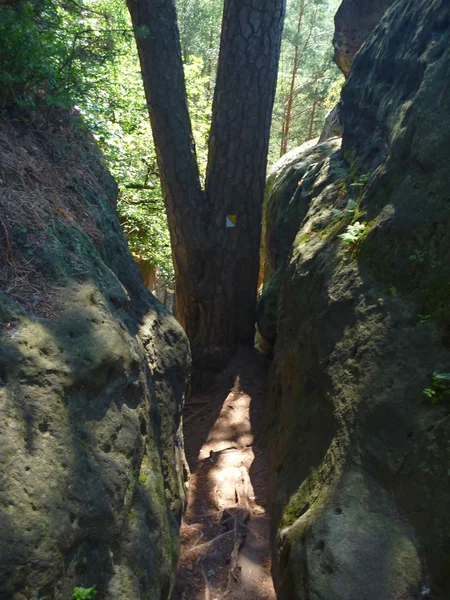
(225, 532)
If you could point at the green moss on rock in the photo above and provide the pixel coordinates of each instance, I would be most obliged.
(360, 455)
(91, 391)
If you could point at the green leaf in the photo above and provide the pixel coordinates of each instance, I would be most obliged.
(442, 376)
(81, 593)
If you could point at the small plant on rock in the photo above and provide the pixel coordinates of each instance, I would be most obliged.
(347, 212)
(353, 233)
(440, 387)
(81, 593)
(417, 256)
(423, 318)
(391, 289)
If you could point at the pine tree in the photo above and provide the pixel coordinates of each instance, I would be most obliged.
(215, 233)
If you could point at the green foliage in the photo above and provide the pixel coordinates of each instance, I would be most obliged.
(118, 117)
(81, 593)
(353, 233)
(355, 182)
(200, 23)
(81, 53)
(347, 213)
(317, 77)
(143, 478)
(54, 52)
(351, 187)
(392, 290)
(423, 318)
(200, 107)
(417, 256)
(440, 387)
(334, 93)
(139, 571)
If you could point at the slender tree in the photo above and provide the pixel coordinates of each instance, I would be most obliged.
(313, 115)
(290, 98)
(215, 234)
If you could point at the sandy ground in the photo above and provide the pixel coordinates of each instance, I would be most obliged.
(225, 551)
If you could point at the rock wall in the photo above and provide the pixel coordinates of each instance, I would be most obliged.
(92, 378)
(354, 22)
(359, 395)
(288, 189)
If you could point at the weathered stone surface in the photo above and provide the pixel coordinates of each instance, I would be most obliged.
(285, 206)
(354, 22)
(357, 521)
(360, 455)
(92, 376)
(282, 181)
(332, 126)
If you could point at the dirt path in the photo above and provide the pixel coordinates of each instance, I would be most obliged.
(225, 550)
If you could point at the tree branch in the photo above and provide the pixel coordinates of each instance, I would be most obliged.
(138, 186)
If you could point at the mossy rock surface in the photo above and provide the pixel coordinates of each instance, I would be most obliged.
(92, 379)
(291, 184)
(360, 487)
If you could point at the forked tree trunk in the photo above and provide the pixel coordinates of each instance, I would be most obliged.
(216, 266)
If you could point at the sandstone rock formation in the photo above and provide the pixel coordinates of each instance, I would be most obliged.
(288, 184)
(92, 376)
(354, 22)
(359, 400)
(332, 126)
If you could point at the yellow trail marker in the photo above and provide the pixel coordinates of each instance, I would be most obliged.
(231, 221)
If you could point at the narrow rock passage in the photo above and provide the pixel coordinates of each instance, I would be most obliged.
(225, 551)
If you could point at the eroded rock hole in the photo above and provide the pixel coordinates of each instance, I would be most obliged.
(143, 425)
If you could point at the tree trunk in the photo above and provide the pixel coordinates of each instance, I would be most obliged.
(290, 98)
(283, 126)
(313, 115)
(159, 50)
(216, 266)
(238, 147)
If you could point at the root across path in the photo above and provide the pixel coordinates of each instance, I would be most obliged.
(225, 545)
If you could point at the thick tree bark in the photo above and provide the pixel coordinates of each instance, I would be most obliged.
(159, 50)
(216, 266)
(239, 141)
